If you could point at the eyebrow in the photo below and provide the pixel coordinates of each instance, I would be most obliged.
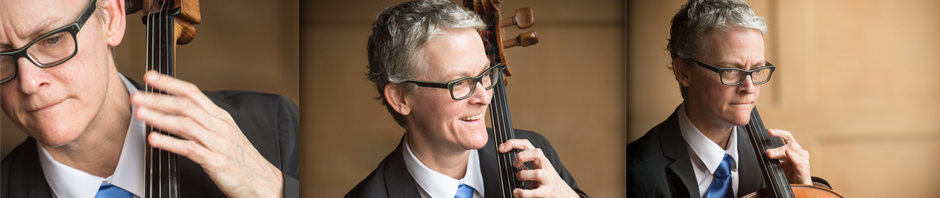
(38, 30)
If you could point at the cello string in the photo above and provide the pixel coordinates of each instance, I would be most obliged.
(149, 154)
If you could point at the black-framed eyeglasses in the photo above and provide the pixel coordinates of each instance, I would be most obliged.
(48, 50)
(735, 76)
(463, 88)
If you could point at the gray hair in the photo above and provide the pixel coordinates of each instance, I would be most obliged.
(399, 35)
(699, 18)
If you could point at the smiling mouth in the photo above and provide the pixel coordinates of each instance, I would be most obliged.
(47, 107)
(473, 118)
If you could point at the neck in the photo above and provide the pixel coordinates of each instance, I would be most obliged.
(98, 149)
(714, 128)
(443, 159)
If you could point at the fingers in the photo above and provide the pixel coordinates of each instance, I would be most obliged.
(185, 127)
(187, 148)
(534, 155)
(530, 175)
(176, 106)
(538, 192)
(521, 144)
(786, 136)
(181, 88)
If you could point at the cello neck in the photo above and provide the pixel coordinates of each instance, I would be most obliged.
(771, 169)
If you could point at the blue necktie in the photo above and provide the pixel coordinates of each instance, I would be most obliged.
(111, 191)
(721, 185)
(464, 191)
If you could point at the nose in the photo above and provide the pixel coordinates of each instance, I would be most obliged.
(481, 95)
(748, 86)
(31, 78)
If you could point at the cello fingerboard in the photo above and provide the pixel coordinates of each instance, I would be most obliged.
(771, 170)
(162, 176)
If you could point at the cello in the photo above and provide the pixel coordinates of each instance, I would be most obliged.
(772, 171)
(169, 23)
(489, 11)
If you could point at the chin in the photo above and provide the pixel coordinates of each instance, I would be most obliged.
(477, 138)
(55, 135)
(56, 139)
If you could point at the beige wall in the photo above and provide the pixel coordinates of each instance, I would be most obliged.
(569, 87)
(241, 45)
(856, 84)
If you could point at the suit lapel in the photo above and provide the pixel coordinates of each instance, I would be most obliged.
(30, 180)
(674, 148)
(398, 181)
(749, 176)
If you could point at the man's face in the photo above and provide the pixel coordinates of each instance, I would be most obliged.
(738, 48)
(457, 123)
(54, 105)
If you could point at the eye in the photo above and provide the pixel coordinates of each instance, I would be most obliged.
(52, 40)
(460, 83)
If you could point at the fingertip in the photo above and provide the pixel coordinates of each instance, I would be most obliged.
(151, 76)
(154, 139)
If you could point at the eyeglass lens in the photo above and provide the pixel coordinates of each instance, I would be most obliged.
(737, 76)
(51, 50)
(465, 87)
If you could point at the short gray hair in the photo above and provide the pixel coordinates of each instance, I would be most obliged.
(399, 35)
(699, 18)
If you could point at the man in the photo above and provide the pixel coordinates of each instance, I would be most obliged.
(701, 150)
(86, 121)
(416, 50)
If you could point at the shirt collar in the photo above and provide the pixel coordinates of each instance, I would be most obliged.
(708, 151)
(440, 185)
(66, 181)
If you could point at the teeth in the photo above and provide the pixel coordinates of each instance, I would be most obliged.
(471, 118)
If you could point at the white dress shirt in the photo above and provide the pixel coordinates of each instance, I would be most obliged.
(432, 184)
(706, 155)
(66, 181)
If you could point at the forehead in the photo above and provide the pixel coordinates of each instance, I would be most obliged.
(20, 19)
(457, 51)
(737, 44)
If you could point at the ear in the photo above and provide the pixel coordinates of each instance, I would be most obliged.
(682, 74)
(397, 99)
(115, 23)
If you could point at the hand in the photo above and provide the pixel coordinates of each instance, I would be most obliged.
(542, 177)
(796, 160)
(209, 135)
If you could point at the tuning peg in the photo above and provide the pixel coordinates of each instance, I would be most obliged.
(524, 39)
(524, 18)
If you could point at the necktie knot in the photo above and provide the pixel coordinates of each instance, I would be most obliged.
(724, 169)
(464, 191)
(721, 184)
(111, 191)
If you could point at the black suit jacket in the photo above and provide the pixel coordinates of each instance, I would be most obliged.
(392, 179)
(270, 122)
(658, 164)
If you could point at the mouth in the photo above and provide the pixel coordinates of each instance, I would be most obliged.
(473, 118)
(46, 107)
(742, 103)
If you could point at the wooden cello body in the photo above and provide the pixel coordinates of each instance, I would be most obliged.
(169, 22)
(489, 11)
(771, 169)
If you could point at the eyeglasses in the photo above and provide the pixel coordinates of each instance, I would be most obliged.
(735, 76)
(48, 50)
(463, 88)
